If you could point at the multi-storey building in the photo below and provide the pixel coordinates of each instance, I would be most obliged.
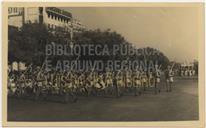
(77, 25)
(15, 17)
(54, 18)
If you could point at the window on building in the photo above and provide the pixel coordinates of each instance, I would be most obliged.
(29, 21)
(14, 10)
(10, 10)
(41, 10)
(41, 19)
(49, 26)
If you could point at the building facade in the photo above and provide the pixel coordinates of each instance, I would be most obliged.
(15, 17)
(54, 18)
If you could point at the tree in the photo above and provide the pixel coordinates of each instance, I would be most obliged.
(28, 45)
(109, 38)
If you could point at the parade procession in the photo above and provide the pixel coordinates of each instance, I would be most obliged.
(37, 83)
(40, 84)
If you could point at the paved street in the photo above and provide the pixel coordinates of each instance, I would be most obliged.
(180, 104)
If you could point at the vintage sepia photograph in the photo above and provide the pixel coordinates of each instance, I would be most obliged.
(103, 64)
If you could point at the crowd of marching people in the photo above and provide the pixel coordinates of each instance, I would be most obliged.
(70, 84)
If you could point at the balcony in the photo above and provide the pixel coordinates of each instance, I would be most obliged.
(59, 12)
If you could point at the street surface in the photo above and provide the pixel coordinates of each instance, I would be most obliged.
(180, 104)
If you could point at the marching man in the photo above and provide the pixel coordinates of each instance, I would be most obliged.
(40, 81)
(150, 79)
(128, 81)
(97, 85)
(69, 88)
(109, 82)
(144, 80)
(119, 83)
(12, 85)
(21, 84)
(169, 74)
(137, 82)
(157, 78)
(90, 82)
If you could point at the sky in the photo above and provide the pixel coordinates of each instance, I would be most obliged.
(173, 30)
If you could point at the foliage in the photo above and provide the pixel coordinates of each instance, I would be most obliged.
(28, 44)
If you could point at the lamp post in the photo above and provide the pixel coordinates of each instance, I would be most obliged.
(71, 34)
